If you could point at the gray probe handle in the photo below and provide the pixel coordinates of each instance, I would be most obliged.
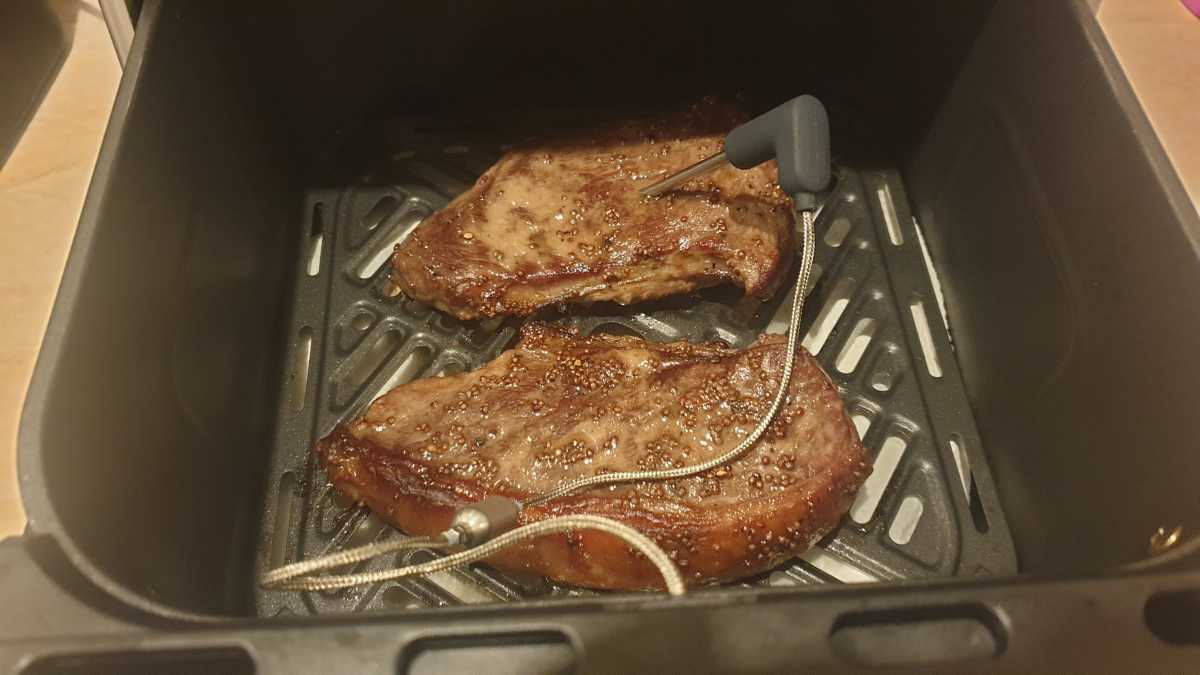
(797, 135)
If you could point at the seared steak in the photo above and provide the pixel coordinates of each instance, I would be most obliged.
(561, 221)
(560, 406)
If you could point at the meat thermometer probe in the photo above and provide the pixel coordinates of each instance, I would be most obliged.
(796, 134)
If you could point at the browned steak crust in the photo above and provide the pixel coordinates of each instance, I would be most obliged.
(560, 406)
(561, 221)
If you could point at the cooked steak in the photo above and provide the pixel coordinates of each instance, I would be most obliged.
(561, 221)
(561, 406)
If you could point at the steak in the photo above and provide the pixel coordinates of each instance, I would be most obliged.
(561, 406)
(561, 221)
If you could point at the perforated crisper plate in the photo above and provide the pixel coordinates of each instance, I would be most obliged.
(928, 510)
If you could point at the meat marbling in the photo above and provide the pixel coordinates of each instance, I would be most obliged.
(560, 406)
(561, 221)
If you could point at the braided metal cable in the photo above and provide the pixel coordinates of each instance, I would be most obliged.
(292, 577)
(349, 556)
(806, 259)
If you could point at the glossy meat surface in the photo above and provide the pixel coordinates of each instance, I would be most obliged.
(561, 221)
(560, 406)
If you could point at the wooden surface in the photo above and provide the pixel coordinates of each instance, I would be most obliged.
(1158, 44)
(44, 182)
(41, 192)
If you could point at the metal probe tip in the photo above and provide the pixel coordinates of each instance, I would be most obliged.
(698, 169)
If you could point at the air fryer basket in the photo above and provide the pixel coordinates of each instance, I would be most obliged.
(192, 359)
(928, 510)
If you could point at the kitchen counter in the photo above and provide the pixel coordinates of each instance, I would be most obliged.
(42, 187)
